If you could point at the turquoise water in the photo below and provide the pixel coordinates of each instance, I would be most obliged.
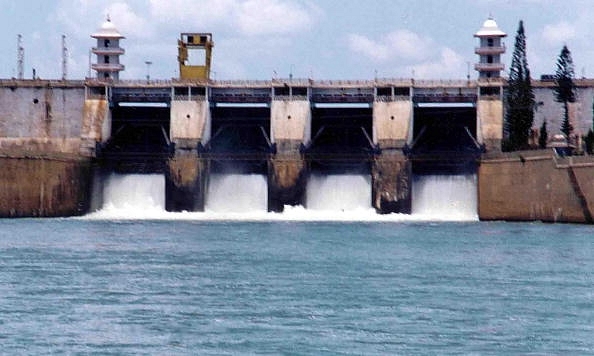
(71, 286)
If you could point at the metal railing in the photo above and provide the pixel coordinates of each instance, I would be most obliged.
(389, 98)
(442, 83)
(240, 83)
(187, 97)
(342, 98)
(335, 84)
(431, 98)
(291, 97)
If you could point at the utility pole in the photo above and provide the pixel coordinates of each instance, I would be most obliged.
(20, 58)
(64, 58)
(148, 70)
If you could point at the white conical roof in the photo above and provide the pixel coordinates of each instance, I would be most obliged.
(490, 28)
(107, 30)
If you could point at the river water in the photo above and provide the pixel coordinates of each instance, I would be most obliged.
(188, 284)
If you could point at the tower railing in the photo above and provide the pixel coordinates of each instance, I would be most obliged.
(489, 66)
(490, 50)
(108, 50)
(108, 67)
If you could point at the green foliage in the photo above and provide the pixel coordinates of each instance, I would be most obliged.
(565, 88)
(543, 136)
(519, 115)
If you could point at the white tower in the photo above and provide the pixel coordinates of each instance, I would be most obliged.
(490, 50)
(108, 51)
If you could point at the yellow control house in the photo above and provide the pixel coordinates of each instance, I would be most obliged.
(194, 55)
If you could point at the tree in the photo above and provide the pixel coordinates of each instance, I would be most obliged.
(519, 115)
(543, 136)
(565, 88)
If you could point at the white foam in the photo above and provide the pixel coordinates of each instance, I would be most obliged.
(138, 196)
(237, 193)
(330, 198)
(445, 197)
(339, 192)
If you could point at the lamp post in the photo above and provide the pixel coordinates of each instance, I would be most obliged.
(148, 70)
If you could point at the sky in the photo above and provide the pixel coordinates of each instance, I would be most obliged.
(318, 39)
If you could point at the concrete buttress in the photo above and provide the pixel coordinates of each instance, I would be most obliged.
(391, 183)
(287, 181)
(391, 123)
(186, 179)
(290, 127)
(489, 118)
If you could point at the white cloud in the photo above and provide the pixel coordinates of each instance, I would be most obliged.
(70, 14)
(448, 65)
(373, 50)
(196, 13)
(399, 44)
(559, 33)
(248, 17)
(127, 20)
(405, 53)
(409, 44)
(258, 17)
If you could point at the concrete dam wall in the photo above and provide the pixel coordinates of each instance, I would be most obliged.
(41, 116)
(527, 186)
(58, 139)
(42, 171)
(44, 186)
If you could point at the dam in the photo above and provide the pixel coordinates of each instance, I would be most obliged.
(290, 140)
(286, 130)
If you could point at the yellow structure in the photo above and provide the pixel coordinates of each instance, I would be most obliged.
(194, 54)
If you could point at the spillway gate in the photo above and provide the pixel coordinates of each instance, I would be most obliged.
(287, 129)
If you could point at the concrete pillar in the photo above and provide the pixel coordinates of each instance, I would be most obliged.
(287, 181)
(96, 125)
(290, 127)
(186, 182)
(391, 183)
(186, 179)
(391, 171)
(391, 123)
(290, 124)
(190, 123)
(489, 112)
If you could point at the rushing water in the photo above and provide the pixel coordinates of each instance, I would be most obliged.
(134, 192)
(329, 198)
(339, 192)
(237, 193)
(446, 196)
(83, 286)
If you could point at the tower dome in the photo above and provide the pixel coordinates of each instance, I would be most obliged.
(490, 28)
(108, 51)
(490, 49)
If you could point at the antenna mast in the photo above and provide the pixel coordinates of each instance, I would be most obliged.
(20, 57)
(64, 58)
